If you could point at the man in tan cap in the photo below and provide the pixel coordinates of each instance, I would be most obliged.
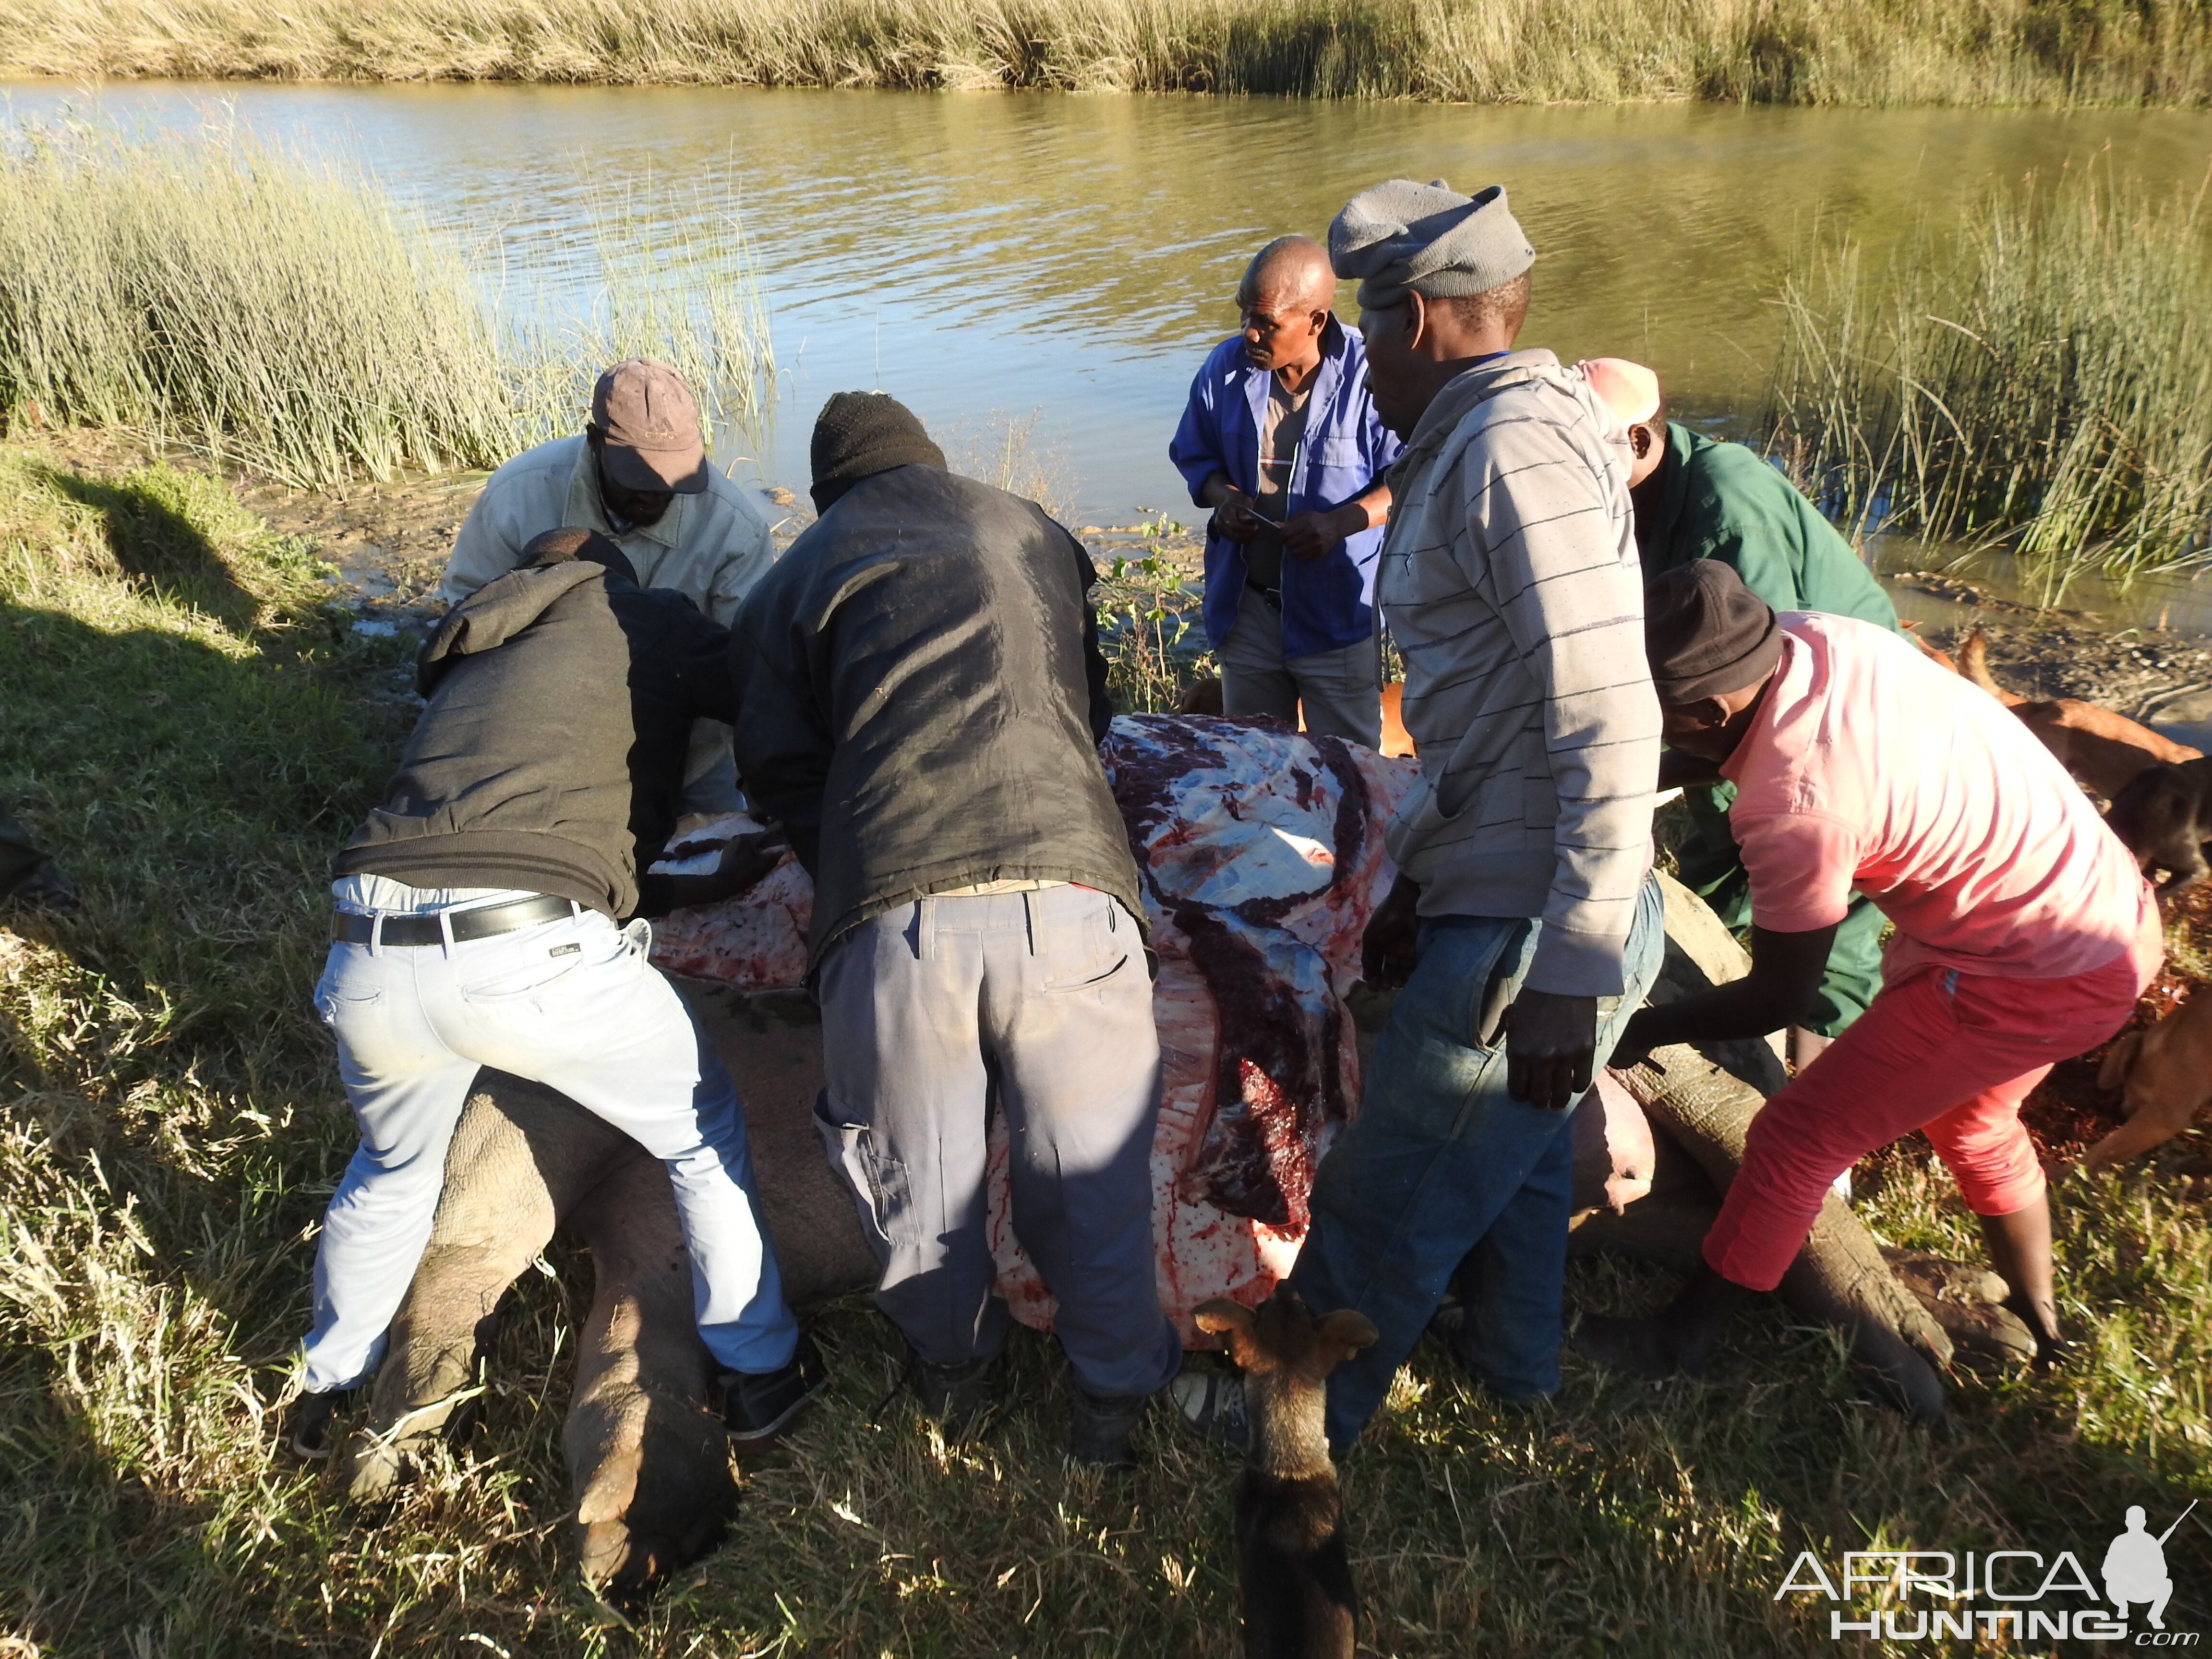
(638, 475)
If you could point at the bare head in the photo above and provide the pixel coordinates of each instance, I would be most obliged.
(1283, 303)
(1713, 646)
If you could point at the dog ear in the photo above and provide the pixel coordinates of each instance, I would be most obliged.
(1221, 1313)
(2113, 1073)
(1348, 1330)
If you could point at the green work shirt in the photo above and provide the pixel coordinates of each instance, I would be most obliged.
(1719, 500)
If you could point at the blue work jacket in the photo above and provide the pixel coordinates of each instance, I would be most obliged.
(1330, 602)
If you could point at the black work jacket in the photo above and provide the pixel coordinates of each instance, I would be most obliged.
(920, 697)
(551, 756)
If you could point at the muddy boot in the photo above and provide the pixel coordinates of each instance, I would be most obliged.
(957, 1398)
(1682, 1338)
(1099, 1427)
(2019, 1251)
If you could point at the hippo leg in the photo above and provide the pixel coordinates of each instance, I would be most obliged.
(1703, 1103)
(1840, 1277)
(502, 1194)
(649, 1463)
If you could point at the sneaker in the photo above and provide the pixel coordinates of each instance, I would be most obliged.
(956, 1397)
(1213, 1402)
(309, 1431)
(759, 1405)
(1099, 1427)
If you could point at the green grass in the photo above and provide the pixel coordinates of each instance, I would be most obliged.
(193, 731)
(2036, 377)
(281, 315)
(1863, 51)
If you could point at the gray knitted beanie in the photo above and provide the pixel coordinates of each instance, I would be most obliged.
(859, 434)
(1398, 236)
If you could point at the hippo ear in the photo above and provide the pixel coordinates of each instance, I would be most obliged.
(1349, 1330)
(1220, 1315)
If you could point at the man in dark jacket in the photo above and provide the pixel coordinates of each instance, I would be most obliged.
(920, 697)
(479, 923)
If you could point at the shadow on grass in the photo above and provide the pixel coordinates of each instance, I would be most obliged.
(161, 549)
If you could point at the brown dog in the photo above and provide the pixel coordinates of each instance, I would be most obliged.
(2168, 1073)
(2104, 750)
(1294, 1572)
(2164, 817)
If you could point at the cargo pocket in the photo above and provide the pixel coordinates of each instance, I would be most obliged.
(878, 1182)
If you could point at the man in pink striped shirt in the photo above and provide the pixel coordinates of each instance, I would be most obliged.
(2024, 932)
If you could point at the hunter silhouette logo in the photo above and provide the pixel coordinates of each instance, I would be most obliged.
(1937, 1596)
(2134, 1567)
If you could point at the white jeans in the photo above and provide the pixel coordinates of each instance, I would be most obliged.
(572, 1003)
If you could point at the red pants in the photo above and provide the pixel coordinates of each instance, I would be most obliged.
(1950, 1053)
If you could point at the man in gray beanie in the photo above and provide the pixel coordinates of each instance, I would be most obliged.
(1525, 913)
(920, 697)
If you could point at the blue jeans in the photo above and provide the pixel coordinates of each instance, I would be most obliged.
(1442, 1166)
(572, 1003)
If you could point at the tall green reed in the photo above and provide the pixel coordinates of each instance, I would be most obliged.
(2036, 380)
(282, 314)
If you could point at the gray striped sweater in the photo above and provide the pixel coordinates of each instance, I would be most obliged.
(1512, 585)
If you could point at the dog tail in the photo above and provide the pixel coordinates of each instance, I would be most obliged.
(1974, 664)
(1927, 650)
(2113, 1073)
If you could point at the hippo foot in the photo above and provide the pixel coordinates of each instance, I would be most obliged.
(1974, 1307)
(625, 1565)
(378, 1460)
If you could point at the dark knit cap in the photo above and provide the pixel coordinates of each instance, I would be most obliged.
(1706, 633)
(859, 434)
(564, 545)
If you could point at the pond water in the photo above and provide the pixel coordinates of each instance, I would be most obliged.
(1068, 260)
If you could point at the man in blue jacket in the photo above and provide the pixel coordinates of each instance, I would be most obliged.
(1281, 440)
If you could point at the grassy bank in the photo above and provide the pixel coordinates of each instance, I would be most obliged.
(191, 731)
(1863, 51)
(2035, 378)
(284, 316)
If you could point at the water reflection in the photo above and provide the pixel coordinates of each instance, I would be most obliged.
(1075, 255)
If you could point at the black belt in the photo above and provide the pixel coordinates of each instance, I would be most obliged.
(351, 927)
(1272, 595)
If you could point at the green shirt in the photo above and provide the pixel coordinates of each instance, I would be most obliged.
(1722, 501)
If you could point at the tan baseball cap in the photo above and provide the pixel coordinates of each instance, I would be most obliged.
(1630, 390)
(652, 427)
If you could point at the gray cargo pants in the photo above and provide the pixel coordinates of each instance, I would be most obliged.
(1036, 1003)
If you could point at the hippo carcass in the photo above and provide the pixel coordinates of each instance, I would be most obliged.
(1261, 851)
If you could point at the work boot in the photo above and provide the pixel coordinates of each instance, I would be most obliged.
(1099, 1427)
(46, 890)
(309, 1428)
(758, 1407)
(955, 1397)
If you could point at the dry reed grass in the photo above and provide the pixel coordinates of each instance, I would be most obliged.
(1863, 51)
(192, 730)
(282, 316)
